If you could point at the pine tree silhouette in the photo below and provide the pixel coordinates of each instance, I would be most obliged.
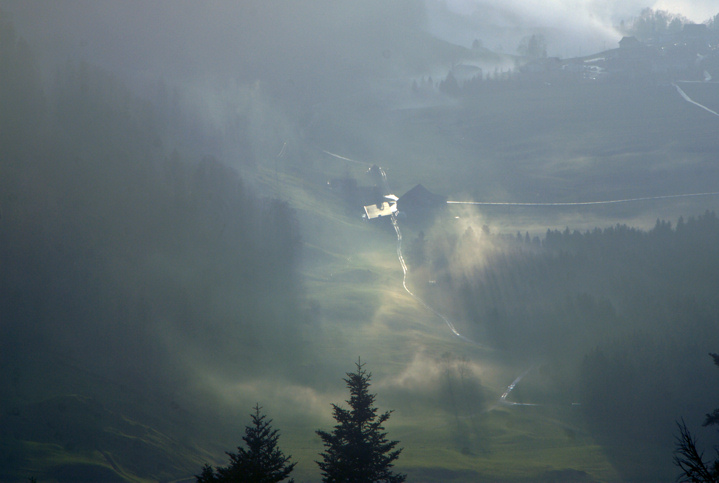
(261, 462)
(357, 450)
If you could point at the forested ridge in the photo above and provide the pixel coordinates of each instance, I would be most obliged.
(618, 277)
(126, 264)
(621, 319)
(149, 290)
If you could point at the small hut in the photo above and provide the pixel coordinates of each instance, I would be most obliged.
(384, 208)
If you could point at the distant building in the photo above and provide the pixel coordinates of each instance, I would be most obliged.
(629, 42)
(419, 202)
(379, 210)
(632, 61)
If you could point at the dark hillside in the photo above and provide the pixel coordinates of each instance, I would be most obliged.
(127, 273)
(620, 319)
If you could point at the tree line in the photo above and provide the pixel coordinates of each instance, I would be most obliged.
(620, 316)
(356, 450)
(651, 24)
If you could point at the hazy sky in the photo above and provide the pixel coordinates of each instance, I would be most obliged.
(191, 37)
(571, 27)
(613, 11)
(696, 10)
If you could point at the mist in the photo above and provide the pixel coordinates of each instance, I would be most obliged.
(182, 234)
(572, 29)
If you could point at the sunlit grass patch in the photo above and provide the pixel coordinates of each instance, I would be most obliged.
(500, 445)
(52, 462)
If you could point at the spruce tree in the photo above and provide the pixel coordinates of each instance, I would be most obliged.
(357, 450)
(261, 462)
(689, 458)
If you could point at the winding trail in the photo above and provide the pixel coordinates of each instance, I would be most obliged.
(692, 101)
(400, 256)
(419, 300)
(334, 155)
(503, 400)
(510, 388)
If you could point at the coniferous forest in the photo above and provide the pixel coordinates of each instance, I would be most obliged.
(182, 238)
(124, 261)
(613, 315)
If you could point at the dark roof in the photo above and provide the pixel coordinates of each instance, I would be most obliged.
(629, 42)
(420, 198)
